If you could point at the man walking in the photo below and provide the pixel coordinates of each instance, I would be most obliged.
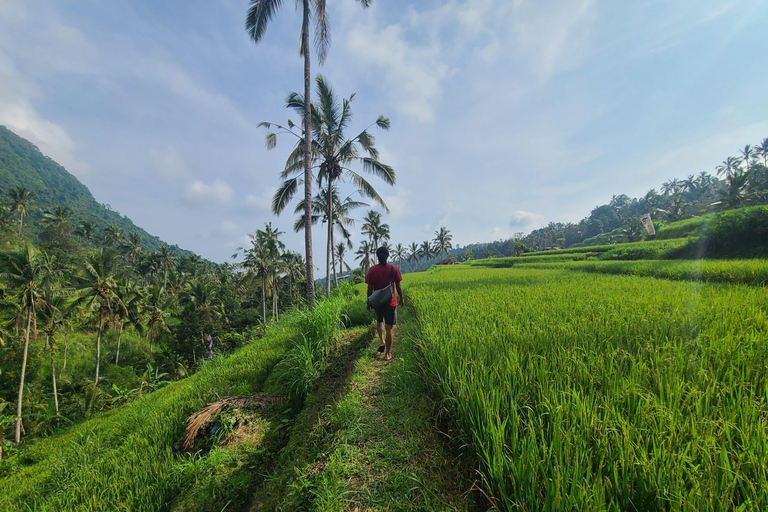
(380, 276)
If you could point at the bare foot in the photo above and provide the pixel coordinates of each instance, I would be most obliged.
(388, 357)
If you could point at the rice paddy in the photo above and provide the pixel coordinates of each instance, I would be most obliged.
(585, 391)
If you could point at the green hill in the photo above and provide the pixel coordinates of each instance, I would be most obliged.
(23, 165)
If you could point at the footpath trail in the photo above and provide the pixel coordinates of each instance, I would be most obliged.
(368, 439)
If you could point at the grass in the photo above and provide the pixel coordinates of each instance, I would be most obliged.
(367, 439)
(579, 391)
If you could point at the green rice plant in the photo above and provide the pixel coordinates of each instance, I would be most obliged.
(583, 391)
(750, 272)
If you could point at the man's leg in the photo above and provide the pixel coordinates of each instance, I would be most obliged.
(388, 346)
(380, 330)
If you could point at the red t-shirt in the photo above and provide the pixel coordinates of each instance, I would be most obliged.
(380, 275)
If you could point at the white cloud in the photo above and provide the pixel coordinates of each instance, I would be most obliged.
(199, 194)
(225, 229)
(412, 74)
(399, 203)
(521, 219)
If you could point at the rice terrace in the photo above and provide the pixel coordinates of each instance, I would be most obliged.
(423, 268)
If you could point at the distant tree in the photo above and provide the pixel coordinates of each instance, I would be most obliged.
(86, 229)
(340, 250)
(57, 220)
(132, 245)
(400, 253)
(413, 253)
(22, 202)
(425, 250)
(112, 236)
(363, 253)
(761, 150)
(442, 242)
(729, 167)
(374, 229)
(154, 308)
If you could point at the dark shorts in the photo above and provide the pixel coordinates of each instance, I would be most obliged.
(387, 314)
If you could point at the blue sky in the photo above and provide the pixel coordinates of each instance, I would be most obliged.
(506, 114)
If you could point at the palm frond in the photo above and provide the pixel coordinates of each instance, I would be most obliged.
(284, 194)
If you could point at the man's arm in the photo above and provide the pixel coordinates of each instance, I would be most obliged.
(399, 292)
(370, 291)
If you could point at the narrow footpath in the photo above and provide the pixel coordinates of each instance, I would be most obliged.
(369, 439)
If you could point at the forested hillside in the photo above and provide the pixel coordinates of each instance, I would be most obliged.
(23, 165)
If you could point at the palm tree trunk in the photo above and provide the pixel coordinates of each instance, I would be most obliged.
(21, 224)
(329, 246)
(120, 335)
(53, 378)
(17, 437)
(98, 350)
(263, 301)
(274, 298)
(307, 161)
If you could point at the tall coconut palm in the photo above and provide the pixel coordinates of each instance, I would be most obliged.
(364, 254)
(25, 273)
(166, 259)
(761, 150)
(425, 250)
(154, 307)
(374, 229)
(730, 166)
(748, 154)
(334, 153)
(413, 253)
(54, 310)
(399, 253)
(202, 301)
(96, 292)
(22, 202)
(340, 250)
(442, 242)
(126, 309)
(259, 15)
(262, 260)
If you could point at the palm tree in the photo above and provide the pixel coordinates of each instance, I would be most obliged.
(334, 152)
(259, 15)
(165, 258)
(340, 250)
(132, 245)
(262, 260)
(154, 308)
(425, 250)
(126, 309)
(25, 273)
(202, 300)
(54, 310)
(57, 219)
(112, 235)
(96, 292)
(400, 253)
(374, 229)
(340, 218)
(729, 167)
(86, 229)
(21, 201)
(761, 150)
(748, 154)
(364, 255)
(413, 253)
(442, 242)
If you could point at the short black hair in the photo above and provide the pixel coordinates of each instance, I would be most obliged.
(382, 253)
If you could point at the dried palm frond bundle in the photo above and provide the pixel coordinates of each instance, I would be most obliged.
(198, 421)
